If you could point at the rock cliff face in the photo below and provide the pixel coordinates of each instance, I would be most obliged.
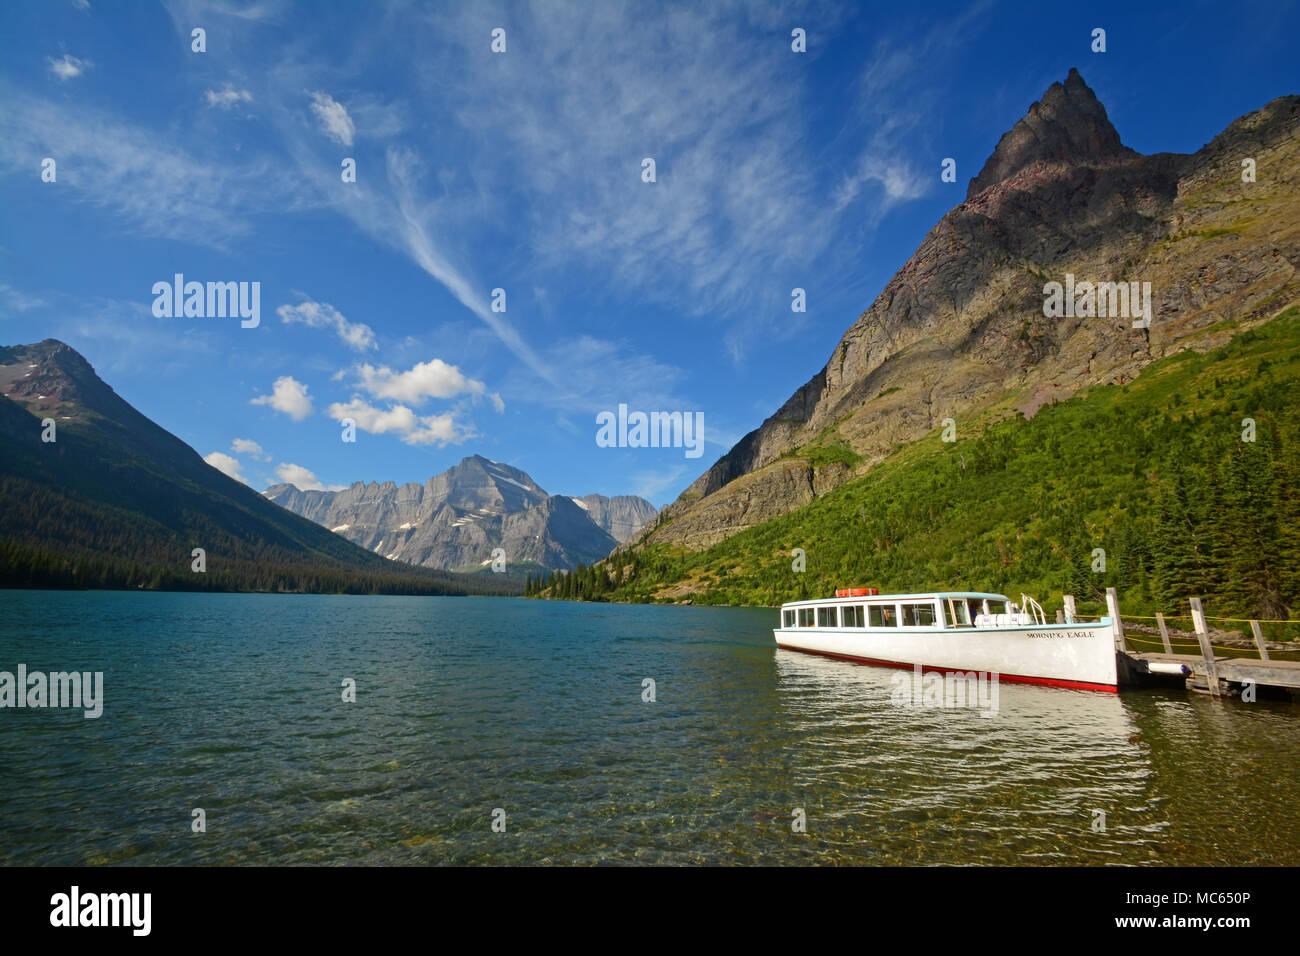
(457, 519)
(622, 516)
(960, 332)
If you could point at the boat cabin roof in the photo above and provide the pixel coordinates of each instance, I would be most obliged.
(928, 596)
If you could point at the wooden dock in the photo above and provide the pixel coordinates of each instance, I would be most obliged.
(1232, 673)
(1208, 672)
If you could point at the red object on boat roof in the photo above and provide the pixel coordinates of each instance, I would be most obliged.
(855, 592)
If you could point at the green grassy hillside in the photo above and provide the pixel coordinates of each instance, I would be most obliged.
(1155, 472)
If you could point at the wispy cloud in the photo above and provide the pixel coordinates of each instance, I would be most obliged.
(150, 180)
(120, 337)
(68, 67)
(17, 300)
(321, 315)
(227, 98)
(333, 118)
(733, 203)
(246, 446)
(655, 485)
(188, 12)
(601, 373)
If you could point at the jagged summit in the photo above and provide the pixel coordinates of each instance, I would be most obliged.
(457, 519)
(1068, 124)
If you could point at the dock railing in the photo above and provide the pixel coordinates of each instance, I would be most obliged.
(1211, 656)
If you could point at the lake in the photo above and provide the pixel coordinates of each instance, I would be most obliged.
(232, 703)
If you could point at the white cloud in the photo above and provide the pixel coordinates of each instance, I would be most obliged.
(898, 178)
(226, 465)
(81, 4)
(432, 379)
(302, 478)
(322, 315)
(187, 12)
(68, 67)
(228, 98)
(412, 429)
(246, 446)
(334, 120)
(289, 396)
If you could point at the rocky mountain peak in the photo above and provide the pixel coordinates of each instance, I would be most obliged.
(960, 331)
(1068, 125)
(458, 518)
(51, 377)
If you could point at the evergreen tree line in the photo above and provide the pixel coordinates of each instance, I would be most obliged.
(51, 539)
(583, 583)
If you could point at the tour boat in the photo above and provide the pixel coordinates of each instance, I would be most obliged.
(954, 631)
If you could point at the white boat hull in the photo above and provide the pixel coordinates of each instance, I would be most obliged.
(1068, 655)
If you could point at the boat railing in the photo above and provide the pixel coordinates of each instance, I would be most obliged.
(1034, 608)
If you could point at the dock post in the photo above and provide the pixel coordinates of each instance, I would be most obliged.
(1071, 615)
(1116, 625)
(1207, 652)
(1259, 641)
(1060, 616)
(1164, 632)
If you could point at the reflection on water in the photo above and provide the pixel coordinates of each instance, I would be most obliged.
(232, 703)
(1025, 785)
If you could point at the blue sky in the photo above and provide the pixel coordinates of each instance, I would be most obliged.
(522, 170)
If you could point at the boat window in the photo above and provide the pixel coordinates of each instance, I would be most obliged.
(826, 617)
(959, 612)
(852, 615)
(805, 617)
(918, 615)
(882, 615)
(990, 613)
(787, 618)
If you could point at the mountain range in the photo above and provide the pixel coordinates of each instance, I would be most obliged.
(94, 494)
(961, 343)
(457, 519)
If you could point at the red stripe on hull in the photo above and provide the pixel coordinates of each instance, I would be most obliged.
(927, 669)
